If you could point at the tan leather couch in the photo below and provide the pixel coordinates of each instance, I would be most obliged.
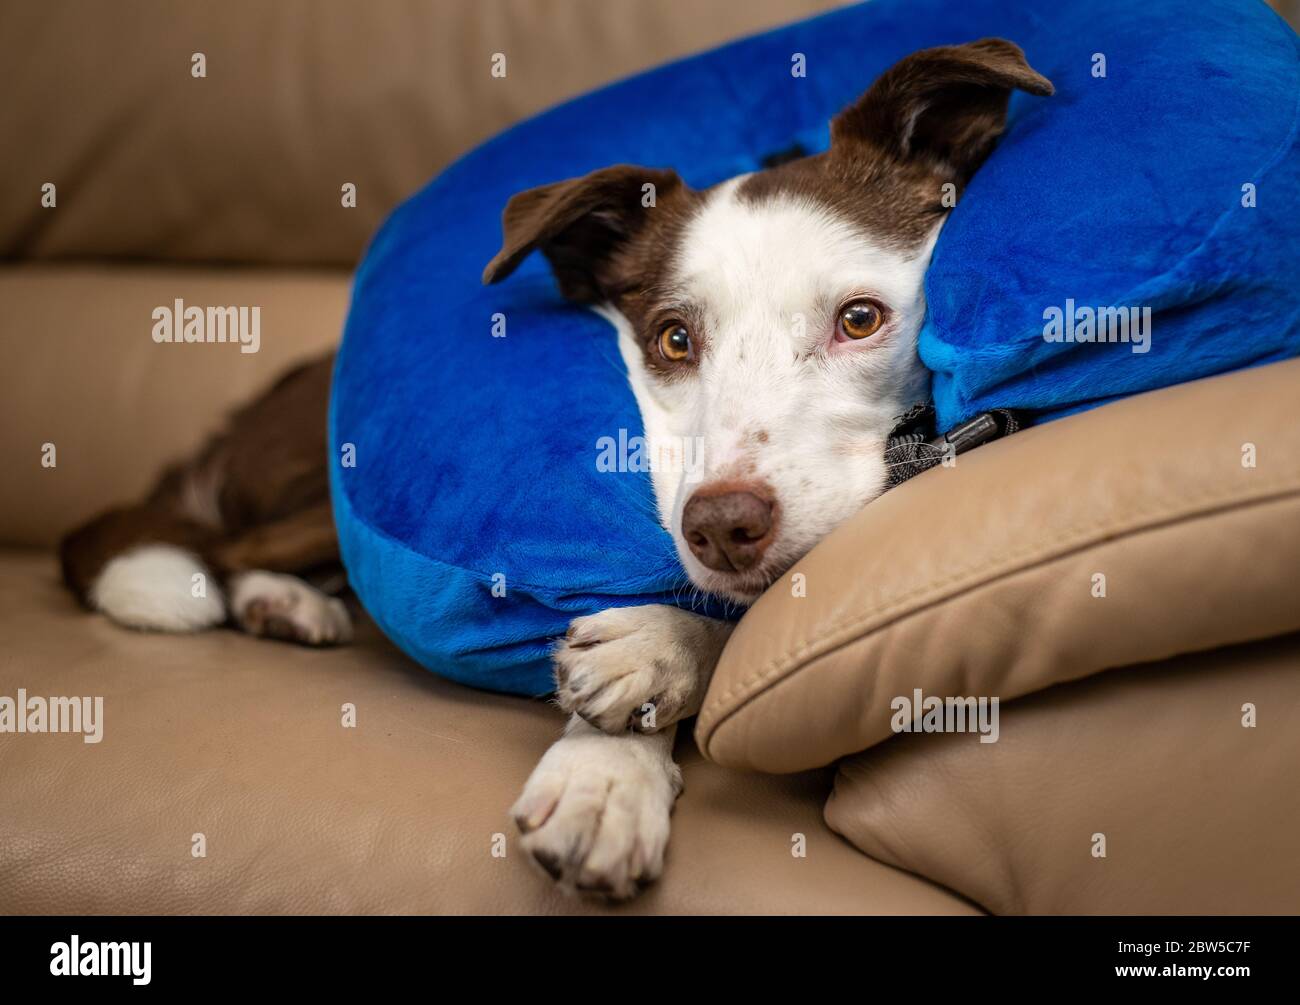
(975, 580)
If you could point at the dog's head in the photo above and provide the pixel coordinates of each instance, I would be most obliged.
(772, 319)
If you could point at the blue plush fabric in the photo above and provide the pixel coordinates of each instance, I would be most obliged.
(1127, 190)
(473, 519)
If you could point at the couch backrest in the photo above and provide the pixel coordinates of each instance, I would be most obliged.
(300, 97)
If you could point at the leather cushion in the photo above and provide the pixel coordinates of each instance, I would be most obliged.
(241, 740)
(979, 579)
(1196, 808)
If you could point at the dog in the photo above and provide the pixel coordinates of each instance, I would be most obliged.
(773, 317)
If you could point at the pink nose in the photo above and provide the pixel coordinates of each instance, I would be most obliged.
(728, 527)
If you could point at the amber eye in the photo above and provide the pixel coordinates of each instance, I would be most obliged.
(675, 342)
(860, 319)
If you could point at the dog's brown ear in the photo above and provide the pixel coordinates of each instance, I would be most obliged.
(578, 223)
(946, 106)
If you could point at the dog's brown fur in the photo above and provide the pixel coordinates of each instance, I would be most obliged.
(255, 497)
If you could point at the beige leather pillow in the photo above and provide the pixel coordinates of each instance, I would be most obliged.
(981, 579)
(1194, 810)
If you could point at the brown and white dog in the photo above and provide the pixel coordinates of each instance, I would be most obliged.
(772, 317)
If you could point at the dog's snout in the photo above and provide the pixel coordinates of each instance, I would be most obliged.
(728, 531)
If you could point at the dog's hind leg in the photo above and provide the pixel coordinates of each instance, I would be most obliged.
(264, 599)
(277, 606)
(149, 567)
(295, 543)
(141, 566)
(224, 525)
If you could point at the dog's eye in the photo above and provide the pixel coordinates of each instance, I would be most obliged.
(675, 342)
(860, 319)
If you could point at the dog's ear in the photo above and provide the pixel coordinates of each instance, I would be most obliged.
(578, 223)
(946, 106)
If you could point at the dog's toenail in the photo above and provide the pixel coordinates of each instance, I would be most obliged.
(549, 862)
(528, 821)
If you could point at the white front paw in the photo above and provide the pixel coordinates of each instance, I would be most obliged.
(636, 668)
(594, 813)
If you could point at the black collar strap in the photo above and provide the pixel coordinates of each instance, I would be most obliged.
(914, 447)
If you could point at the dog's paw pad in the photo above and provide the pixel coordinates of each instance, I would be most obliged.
(275, 606)
(626, 669)
(604, 817)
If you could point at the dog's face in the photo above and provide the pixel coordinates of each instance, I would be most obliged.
(769, 323)
(771, 353)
